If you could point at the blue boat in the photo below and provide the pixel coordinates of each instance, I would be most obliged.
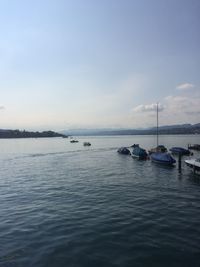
(124, 151)
(139, 152)
(162, 158)
(180, 150)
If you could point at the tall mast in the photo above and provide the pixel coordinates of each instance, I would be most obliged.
(157, 123)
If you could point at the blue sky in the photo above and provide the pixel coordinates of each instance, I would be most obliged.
(92, 64)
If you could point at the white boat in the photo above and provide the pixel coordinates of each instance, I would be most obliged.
(193, 163)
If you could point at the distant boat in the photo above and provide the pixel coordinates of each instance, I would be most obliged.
(193, 163)
(139, 152)
(124, 151)
(86, 144)
(74, 141)
(180, 150)
(160, 156)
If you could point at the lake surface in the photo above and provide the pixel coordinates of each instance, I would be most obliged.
(63, 204)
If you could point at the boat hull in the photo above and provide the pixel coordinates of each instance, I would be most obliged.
(139, 153)
(163, 158)
(143, 157)
(193, 163)
(124, 151)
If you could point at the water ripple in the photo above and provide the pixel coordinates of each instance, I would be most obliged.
(96, 208)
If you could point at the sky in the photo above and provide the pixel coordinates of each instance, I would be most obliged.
(68, 64)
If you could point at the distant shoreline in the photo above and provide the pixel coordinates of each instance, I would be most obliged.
(163, 130)
(10, 134)
(183, 129)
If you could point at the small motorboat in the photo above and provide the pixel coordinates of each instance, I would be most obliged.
(162, 158)
(139, 152)
(124, 151)
(87, 144)
(193, 163)
(74, 141)
(179, 151)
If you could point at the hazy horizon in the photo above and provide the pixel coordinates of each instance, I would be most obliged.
(88, 64)
(98, 129)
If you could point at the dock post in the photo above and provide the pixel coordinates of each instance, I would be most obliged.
(194, 169)
(179, 161)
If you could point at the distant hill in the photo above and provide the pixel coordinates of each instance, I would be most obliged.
(168, 129)
(174, 126)
(25, 134)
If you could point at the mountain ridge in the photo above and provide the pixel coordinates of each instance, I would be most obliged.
(166, 129)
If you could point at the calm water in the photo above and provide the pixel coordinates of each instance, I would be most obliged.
(63, 204)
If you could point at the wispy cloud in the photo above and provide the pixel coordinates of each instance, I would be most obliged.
(2, 107)
(182, 105)
(185, 86)
(197, 112)
(148, 108)
(181, 109)
(176, 109)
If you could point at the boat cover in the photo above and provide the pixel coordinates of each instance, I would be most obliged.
(165, 158)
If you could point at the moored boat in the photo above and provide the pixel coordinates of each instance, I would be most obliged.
(194, 147)
(193, 163)
(139, 152)
(162, 158)
(160, 155)
(179, 151)
(159, 148)
(124, 151)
